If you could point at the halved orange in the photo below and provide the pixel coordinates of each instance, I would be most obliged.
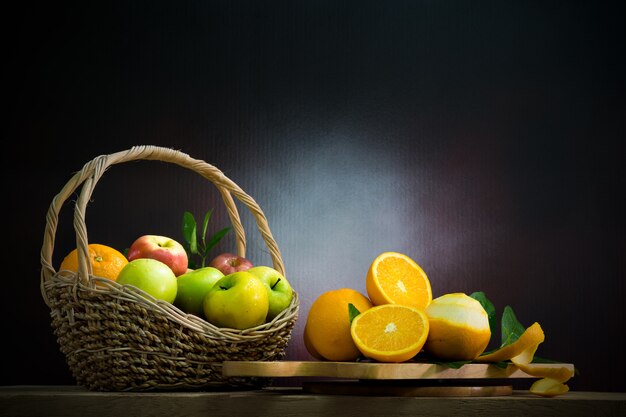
(395, 278)
(390, 332)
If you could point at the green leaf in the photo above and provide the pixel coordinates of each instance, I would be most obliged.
(352, 312)
(197, 245)
(189, 232)
(205, 225)
(511, 328)
(501, 364)
(216, 238)
(189, 223)
(452, 365)
(489, 308)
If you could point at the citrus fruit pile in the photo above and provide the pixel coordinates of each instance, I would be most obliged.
(399, 321)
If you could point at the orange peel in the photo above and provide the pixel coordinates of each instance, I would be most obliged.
(524, 347)
(521, 353)
(557, 372)
(548, 387)
(553, 377)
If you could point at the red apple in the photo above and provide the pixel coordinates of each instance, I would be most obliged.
(229, 263)
(161, 248)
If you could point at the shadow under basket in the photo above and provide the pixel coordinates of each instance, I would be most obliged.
(119, 338)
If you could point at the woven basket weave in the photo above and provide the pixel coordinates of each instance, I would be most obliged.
(119, 338)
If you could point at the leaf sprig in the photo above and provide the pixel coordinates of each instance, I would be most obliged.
(199, 248)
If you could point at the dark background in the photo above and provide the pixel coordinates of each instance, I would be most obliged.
(483, 139)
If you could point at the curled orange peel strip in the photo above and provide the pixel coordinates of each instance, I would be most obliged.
(548, 387)
(557, 372)
(526, 345)
(552, 377)
(521, 353)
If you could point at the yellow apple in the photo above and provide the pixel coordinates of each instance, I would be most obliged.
(237, 301)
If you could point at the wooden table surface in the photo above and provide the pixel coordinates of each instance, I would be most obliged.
(71, 401)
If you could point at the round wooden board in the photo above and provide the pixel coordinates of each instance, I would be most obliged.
(383, 388)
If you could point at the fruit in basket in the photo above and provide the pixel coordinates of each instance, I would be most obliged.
(229, 263)
(237, 301)
(327, 328)
(106, 262)
(161, 248)
(279, 290)
(151, 276)
(390, 332)
(193, 287)
(459, 328)
(397, 279)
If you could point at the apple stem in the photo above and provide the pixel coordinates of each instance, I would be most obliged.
(223, 288)
(277, 281)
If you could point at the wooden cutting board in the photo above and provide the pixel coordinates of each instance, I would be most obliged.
(372, 370)
(387, 379)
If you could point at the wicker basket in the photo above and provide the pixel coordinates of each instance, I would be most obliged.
(119, 338)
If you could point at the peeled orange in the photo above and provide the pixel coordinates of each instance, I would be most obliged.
(459, 327)
(106, 262)
(395, 278)
(327, 328)
(390, 332)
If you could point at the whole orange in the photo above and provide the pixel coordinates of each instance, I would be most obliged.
(327, 329)
(106, 262)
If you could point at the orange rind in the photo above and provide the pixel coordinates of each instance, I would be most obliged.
(521, 353)
(526, 346)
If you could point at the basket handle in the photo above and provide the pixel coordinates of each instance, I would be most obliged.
(91, 172)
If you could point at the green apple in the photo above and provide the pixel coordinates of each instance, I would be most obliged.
(152, 276)
(193, 286)
(238, 301)
(278, 289)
